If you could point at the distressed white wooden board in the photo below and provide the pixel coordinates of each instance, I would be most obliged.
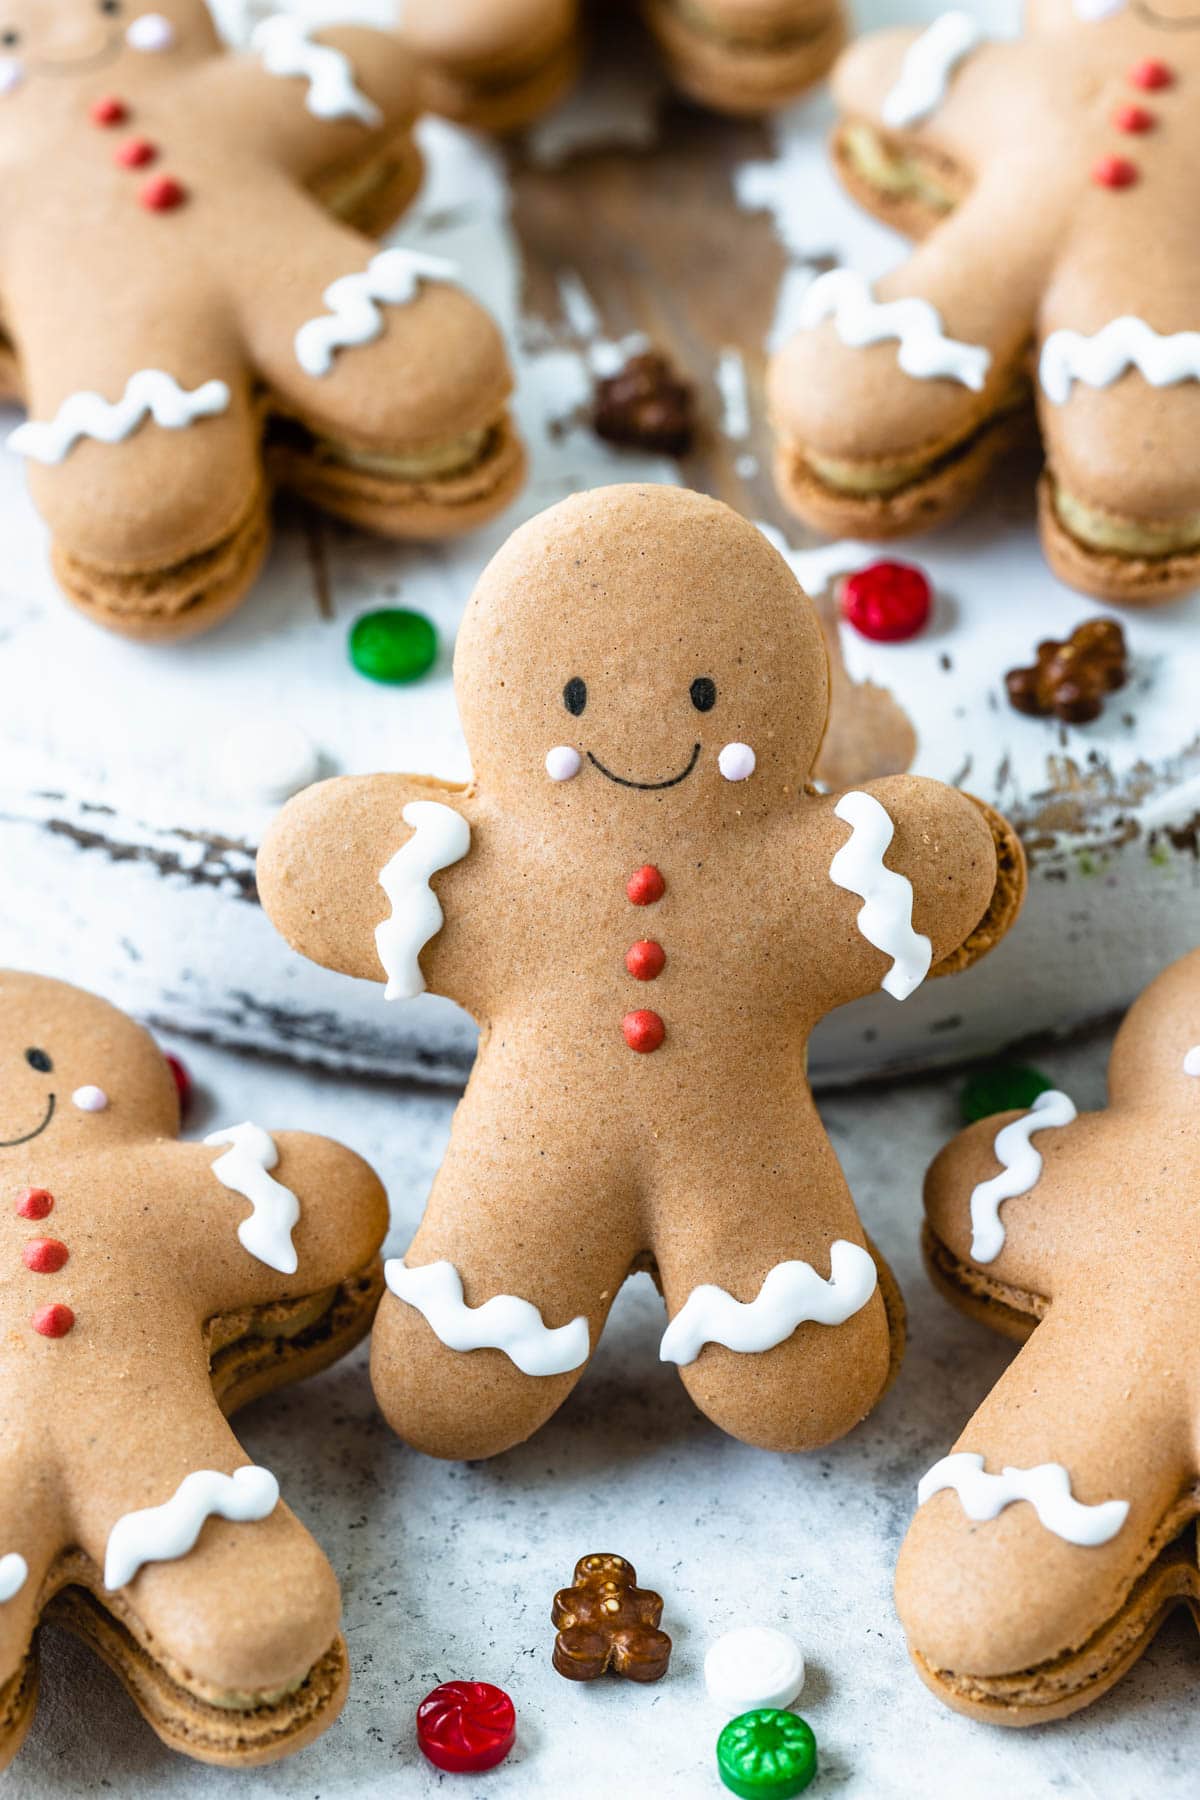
(127, 848)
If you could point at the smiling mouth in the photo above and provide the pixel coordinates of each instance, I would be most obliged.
(646, 786)
(71, 65)
(11, 1143)
(1186, 22)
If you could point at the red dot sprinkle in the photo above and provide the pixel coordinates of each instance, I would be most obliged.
(183, 1082)
(1151, 75)
(1130, 117)
(109, 111)
(1114, 172)
(644, 1031)
(53, 1321)
(645, 886)
(162, 193)
(135, 153)
(34, 1203)
(645, 960)
(466, 1726)
(887, 601)
(45, 1256)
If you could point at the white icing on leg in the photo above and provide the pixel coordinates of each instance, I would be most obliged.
(886, 916)
(150, 393)
(928, 64)
(14, 1573)
(1047, 1488)
(1125, 343)
(392, 278)
(440, 838)
(501, 1323)
(286, 49)
(1022, 1168)
(925, 350)
(791, 1294)
(267, 1233)
(163, 1533)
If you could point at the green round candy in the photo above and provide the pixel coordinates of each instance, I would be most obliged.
(1006, 1087)
(767, 1754)
(393, 645)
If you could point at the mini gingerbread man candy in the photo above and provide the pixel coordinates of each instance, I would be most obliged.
(148, 1287)
(607, 1622)
(647, 909)
(1047, 179)
(1054, 1538)
(176, 286)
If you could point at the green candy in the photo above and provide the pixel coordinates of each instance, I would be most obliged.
(1006, 1087)
(767, 1754)
(393, 645)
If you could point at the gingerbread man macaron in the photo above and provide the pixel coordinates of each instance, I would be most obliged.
(193, 315)
(1053, 1539)
(1047, 180)
(148, 1287)
(647, 908)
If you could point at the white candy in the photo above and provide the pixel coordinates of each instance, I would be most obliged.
(756, 1665)
(267, 759)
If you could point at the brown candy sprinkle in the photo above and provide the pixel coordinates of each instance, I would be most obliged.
(606, 1621)
(1071, 678)
(646, 406)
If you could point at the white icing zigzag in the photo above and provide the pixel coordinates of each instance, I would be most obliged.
(886, 916)
(925, 350)
(161, 1533)
(501, 1323)
(1021, 1171)
(1047, 1488)
(792, 1293)
(1125, 343)
(391, 278)
(928, 65)
(14, 1573)
(89, 415)
(267, 1233)
(440, 837)
(287, 49)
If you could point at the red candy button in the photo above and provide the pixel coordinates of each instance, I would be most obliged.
(34, 1203)
(1114, 172)
(1133, 118)
(465, 1726)
(887, 601)
(53, 1321)
(645, 886)
(108, 111)
(644, 1031)
(645, 960)
(183, 1082)
(45, 1256)
(1151, 74)
(135, 153)
(162, 193)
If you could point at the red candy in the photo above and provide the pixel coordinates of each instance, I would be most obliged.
(34, 1203)
(645, 960)
(1114, 172)
(45, 1256)
(162, 193)
(135, 153)
(644, 1031)
(1151, 74)
(183, 1082)
(53, 1321)
(1133, 118)
(887, 601)
(109, 111)
(466, 1726)
(645, 886)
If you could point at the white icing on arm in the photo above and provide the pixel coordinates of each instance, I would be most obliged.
(791, 1294)
(925, 350)
(1047, 1488)
(149, 393)
(928, 64)
(267, 1233)
(392, 278)
(286, 49)
(1125, 343)
(440, 838)
(14, 1573)
(886, 916)
(1022, 1168)
(501, 1323)
(162, 1533)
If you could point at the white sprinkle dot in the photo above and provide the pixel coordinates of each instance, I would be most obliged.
(90, 1099)
(562, 763)
(150, 31)
(1191, 1062)
(736, 762)
(11, 74)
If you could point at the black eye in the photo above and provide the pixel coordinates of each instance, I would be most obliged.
(575, 696)
(10, 39)
(37, 1059)
(704, 694)
(110, 6)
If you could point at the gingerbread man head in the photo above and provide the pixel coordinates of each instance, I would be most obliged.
(147, 1288)
(49, 47)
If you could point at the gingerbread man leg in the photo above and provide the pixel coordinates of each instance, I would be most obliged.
(32, 1533)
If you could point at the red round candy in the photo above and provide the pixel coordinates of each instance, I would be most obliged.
(135, 153)
(465, 1726)
(645, 886)
(45, 1256)
(109, 111)
(162, 193)
(1151, 74)
(644, 1031)
(34, 1203)
(53, 1321)
(645, 960)
(887, 601)
(1114, 172)
(1133, 118)
(183, 1082)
